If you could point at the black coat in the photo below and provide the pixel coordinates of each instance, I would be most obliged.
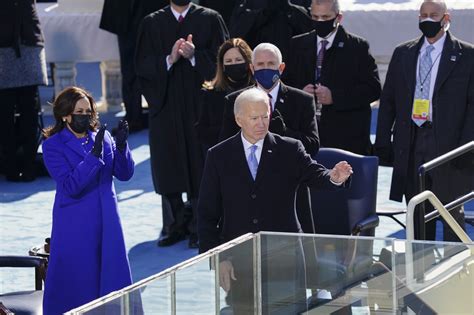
(350, 72)
(173, 95)
(453, 115)
(224, 7)
(269, 24)
(122, 16)
(297, 109)
(19, 24)
(230, 198)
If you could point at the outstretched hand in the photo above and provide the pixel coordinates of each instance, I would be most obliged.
(98, 142)
(341, 172)
(121, 134)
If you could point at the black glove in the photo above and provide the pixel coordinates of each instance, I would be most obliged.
(121, 135)
(99, 140)
(277, 124)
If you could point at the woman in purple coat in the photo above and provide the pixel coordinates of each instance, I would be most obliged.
(88, 257)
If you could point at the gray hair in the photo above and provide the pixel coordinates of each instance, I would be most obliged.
(268, 47)
(441, 3)
(252, 95)
(335, 4)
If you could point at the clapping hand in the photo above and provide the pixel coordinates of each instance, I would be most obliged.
(175, 54)
(187, 48)
(121, 134)
(277, 123)
(341, 172)
(98, 142)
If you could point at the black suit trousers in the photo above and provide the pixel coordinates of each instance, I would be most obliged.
(424, 150)
(131, 93)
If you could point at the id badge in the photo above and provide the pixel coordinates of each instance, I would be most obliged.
(421, 109)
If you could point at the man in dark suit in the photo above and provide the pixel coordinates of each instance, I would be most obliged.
(293, 114)
(269, 21)
(258, 192)
(427, 105)
(176, 53)
(337, 68)
(122, 17)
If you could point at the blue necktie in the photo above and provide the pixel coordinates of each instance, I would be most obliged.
(422, 90)
(252, 161)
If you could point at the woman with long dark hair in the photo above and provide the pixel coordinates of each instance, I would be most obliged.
(232, 73)
(88, 258)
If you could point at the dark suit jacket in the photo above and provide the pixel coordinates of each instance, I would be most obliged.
(350, 72)
(297, 109)
(230, 198)
(19, 24)
(453, 113)
(122, 16)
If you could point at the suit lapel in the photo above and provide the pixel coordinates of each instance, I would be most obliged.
(71, 141)
(281, 97)
(268, 151)
(449, 57)
(409, 64)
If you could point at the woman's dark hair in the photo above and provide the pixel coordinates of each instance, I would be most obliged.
(64, 105)
(220, 81)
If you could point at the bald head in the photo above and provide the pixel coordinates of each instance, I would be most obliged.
(439, 4)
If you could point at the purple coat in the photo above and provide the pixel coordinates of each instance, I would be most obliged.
(88, 256)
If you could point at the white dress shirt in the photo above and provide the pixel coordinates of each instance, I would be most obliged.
(435, 58)
(247, 145)
(273, 92)
(176, 16)
(330, 40)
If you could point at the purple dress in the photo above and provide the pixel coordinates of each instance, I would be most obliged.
(88, 256)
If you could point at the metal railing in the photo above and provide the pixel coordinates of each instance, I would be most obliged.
(423, 169)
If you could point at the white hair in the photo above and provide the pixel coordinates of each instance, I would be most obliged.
(252, 95)
(268, 47)
(335, 4)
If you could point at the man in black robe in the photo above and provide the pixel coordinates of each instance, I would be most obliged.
(122, 17)
(176, 52)
(269, 21)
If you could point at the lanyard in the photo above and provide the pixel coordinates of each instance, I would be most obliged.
(422, 83)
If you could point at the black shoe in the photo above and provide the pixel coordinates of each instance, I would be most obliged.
(171, 239)
(193, 241)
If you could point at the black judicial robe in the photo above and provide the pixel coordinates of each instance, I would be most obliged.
(224, 7)
(257, 22)
(172, 96)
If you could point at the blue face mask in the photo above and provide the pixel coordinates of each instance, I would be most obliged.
(267, 77)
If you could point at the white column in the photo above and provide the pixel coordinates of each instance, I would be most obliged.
(111, 85)
(64, 76)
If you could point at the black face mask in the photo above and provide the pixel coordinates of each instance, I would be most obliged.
(80, 123)
(323, 28)
(237, 72)
(181, 3)
(430, 28)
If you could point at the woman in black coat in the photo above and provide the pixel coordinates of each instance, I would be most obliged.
(22, 69)
(232, 74)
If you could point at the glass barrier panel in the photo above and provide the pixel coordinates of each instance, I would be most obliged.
(157, 296)
(236, 278)
(322, 274)
(195, 289)
(435, 277)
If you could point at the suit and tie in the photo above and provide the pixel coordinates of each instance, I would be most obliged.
(450, 120)
(297, 110)
(232, 203)
(349, 71)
